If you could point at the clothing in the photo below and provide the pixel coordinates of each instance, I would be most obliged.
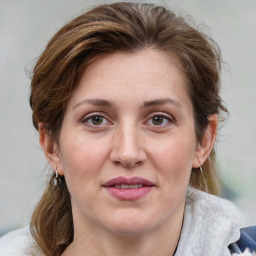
(210, 225)
(16, 243)
(247, 240)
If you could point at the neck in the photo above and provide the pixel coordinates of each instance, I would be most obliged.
(160, 241)
(125, 246)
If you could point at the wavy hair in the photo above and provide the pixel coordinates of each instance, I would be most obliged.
(106, 29)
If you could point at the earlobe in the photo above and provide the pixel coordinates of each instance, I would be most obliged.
(50, 148)
(205, 146)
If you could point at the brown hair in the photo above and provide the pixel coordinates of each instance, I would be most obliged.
(126, 27)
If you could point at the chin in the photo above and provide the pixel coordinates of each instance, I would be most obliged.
(132, 223)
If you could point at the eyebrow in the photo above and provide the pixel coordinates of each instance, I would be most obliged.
(161, 102)
(97, 102)
(146, 104)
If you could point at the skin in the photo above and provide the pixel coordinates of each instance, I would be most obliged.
(130, 116)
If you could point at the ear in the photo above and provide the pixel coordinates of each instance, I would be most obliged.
(205, 146)
(50, 148)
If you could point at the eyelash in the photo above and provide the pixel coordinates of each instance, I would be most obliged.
(94, 115)
(166, 119)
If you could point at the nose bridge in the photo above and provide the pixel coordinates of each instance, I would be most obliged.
(127, 148)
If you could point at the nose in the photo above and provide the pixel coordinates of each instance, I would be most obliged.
(127, 147)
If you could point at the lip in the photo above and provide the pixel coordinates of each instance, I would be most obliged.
(128, 194)
(128, 181)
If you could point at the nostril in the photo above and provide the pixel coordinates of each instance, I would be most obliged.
(117, 163)
(127, 164)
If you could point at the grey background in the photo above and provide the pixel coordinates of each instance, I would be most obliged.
(27, 25)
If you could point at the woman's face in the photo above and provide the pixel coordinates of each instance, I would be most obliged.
(127, 143)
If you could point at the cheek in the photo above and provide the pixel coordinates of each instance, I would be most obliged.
(82, 159)
(82, 163)
(174, 157)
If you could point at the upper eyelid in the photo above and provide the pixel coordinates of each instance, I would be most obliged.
(92, 114)
(86, 120)
(109, 119)
(168, 116)
(169, 119)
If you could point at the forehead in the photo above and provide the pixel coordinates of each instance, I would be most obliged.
(147, 62)
(148, 73)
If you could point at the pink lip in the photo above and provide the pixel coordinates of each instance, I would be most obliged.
(128, 181)
(129, 193)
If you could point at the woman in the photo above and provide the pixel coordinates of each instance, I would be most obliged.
(126, 101)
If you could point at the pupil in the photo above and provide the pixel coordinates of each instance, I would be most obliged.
(157, 120)
(97, 120)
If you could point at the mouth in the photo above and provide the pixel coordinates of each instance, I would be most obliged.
(125, 186)
(128, 188)
(128, 183)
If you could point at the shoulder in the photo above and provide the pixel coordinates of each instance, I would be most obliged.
(210, 224)
(222, 221)
(16, 243)
(247, 241)
(213, 204)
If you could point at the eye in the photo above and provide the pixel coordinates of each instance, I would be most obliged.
(160, 120)
(96, 120)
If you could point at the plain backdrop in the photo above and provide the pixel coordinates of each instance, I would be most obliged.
(25, 28)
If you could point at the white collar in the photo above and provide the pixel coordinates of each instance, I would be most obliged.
(210, 225)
